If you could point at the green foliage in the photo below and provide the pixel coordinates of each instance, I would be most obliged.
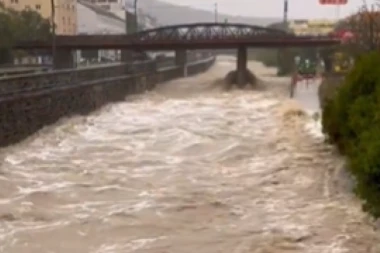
(351, 119)
(273, 58)
(283, 59)
(19, 26)
(269, 57)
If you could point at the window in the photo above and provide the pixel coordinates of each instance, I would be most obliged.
(38, 6)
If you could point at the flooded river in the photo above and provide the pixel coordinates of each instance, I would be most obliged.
(187, 168)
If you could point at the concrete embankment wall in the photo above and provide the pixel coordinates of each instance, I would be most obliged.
(27, 108)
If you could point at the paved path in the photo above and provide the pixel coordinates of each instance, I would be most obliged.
(307, 95)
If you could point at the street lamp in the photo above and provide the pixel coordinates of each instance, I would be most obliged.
(53, 30)
(136, 25)
(281, 52)
(216, 12)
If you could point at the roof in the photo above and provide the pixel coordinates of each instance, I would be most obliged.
(99, 10)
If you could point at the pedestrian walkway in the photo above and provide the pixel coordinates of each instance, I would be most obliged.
(307, 94)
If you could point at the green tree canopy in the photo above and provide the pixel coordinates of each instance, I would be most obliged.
(20, 26)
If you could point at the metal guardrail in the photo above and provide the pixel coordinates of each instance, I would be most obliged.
(171, 72)
(12, 71)
(8, 70)
(71, 78)
(26, 82)
(27, 70)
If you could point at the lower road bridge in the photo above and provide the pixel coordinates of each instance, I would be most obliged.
(181, 38)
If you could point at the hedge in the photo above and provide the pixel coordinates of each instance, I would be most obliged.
(351, 121)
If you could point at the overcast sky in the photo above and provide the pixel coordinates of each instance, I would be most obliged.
(274, 8)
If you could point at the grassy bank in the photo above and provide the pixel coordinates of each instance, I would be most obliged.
(351, 121)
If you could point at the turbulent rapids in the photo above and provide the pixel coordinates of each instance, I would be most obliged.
(185, 168)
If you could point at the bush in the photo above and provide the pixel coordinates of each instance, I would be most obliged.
(351, 120)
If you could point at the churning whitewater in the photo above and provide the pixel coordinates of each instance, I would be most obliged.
(186, 168)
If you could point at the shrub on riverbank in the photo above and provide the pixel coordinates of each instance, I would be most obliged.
(328, 88)
(351, 120)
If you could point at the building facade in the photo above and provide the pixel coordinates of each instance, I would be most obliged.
(107, 4)
(93, 19)
(312, 27)
(65, 12)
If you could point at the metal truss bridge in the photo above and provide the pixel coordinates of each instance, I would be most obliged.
(187, 36)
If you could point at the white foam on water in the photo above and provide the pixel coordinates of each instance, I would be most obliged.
(185, 168)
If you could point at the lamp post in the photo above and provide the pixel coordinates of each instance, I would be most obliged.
(53, 30)
(136, 20)
(216, 12)
(281, 53)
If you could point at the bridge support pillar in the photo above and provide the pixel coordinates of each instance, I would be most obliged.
(241, 67)
(64, 59)
(181, 61)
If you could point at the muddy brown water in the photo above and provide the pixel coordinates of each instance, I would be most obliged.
(186, 168)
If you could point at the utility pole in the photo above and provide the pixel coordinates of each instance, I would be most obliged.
(216, 12)
(136, 20)
(53, 49)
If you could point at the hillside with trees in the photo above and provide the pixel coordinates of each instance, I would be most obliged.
(170, 14)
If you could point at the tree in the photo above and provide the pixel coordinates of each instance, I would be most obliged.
(351, 117)
(20, 26)
(351, 121)
(365, 25)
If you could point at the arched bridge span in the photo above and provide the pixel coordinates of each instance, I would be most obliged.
(187, 36)
(208, 31)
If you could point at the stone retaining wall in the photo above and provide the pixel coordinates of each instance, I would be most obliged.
(26, 108)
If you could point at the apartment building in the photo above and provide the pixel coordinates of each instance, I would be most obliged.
(65, 12)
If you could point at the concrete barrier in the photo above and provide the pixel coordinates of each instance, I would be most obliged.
(29, 102)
